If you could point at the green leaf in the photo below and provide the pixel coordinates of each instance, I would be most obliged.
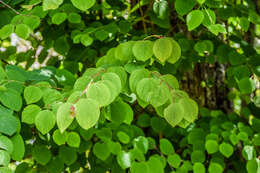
(176, 52)
(83, 4)
(32, 94)
(194, 19)
(11, 99)
(174, 114)
(246, 85)
(166, 147)
(217, 28)
(100, 92)
(124, 159)
(226, 149)
(183, 7)
(142, 50)
(74, 18)
(153, 91)
(244, 23)
(8, 124)
(73, 139)
(87, 113)
(136, 76)
(65, 116)
(211, 146)
(190, 108)
(197, 156)
(101, 150)
(6, 144)
(141, 167)
(120, 111)
(170, 80)
(215, 168)
(114, 78)
(67, 155)
(22, 31)
(161, 8)
(123, 137)
(59, 18)
(59, 138)
(41, 154)
(32, 21)
(141, 143)
(155, 165)
(6, 31)
(45, 121)
(174, 160)
(4, 158)
(248, 152)
(162, 49)
(199, 168)
(123, 51)
(19, 149)
(29, 113)
(253, 166)
(6, 170)
(209, 17)
(51, 4)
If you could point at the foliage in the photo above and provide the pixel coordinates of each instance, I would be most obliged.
(99, 86)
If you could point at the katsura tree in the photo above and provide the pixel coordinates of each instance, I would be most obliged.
(140, 86)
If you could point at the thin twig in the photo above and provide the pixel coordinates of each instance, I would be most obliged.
(8, 6)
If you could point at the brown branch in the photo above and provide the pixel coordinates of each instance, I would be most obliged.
(8, 6)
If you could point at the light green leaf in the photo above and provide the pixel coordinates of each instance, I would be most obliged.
(83, 4)
(51, 4)
(174, 114)
(153, 91)
(59, 138)
(4, 158)
(123, 137)
(190, 108)
(65, 116)
(253, 166)
(226, 149)
(100, 92)
(74, 18)
(22, 31)
(32, 94)
(162, 49)
(29, 113)
(199, 168)
(170, 80)
(6, 144)
(194, 19)
(198, 156)
(136, 76)
(123, 51)
(141, 143)
(124, 159)
(215, 168)
(73, 139)
(155, 165)
(45, 121)
(142, 50)
(87, 113)
(59, 18)
(209, 17)
(6, 31)
(19, 149)
(114, 78)
(217, 28)
(86, 40)
(211, 146)
(176, 52)
(248, 152)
